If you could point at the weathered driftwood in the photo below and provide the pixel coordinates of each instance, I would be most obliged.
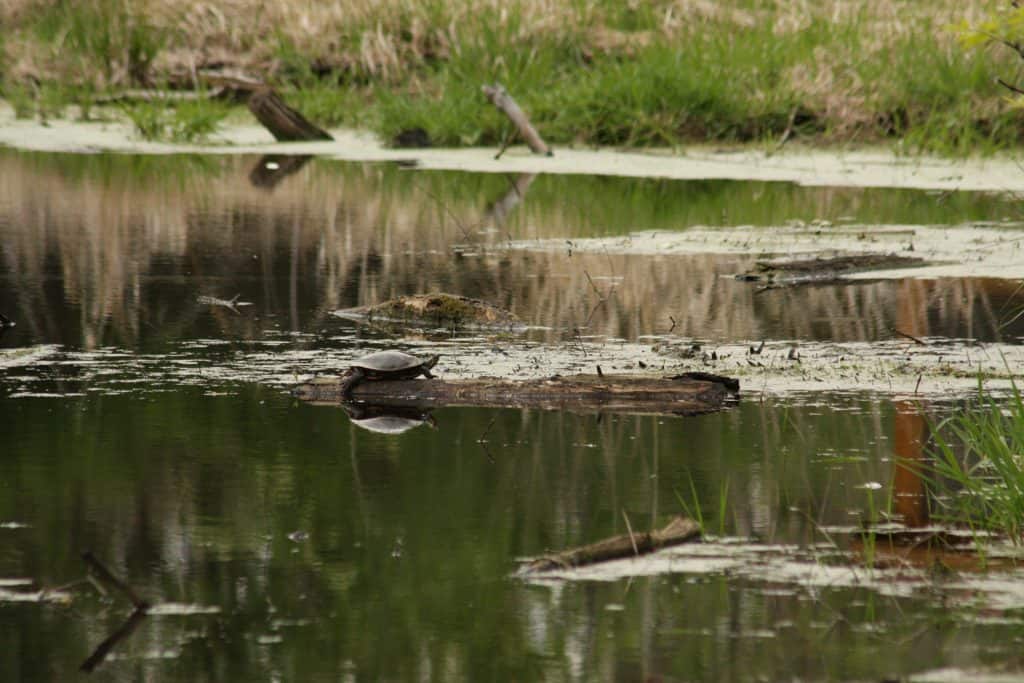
(283, 122)
(579, 393)
(500, 98)
(679, 530)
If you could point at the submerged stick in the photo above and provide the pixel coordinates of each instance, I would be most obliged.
(500, 98)
(679, 530)
(916, 340)
(104, 574)
(104, 648)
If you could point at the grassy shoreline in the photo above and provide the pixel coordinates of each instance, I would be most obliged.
(589, 72)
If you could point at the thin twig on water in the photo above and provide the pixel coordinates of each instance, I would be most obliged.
(910, 337)
(629, 528)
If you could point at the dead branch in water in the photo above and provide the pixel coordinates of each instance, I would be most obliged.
(679, 530)
(104, 648)
(108, 578)
(500, 98)
(283, 122)
(911, 337)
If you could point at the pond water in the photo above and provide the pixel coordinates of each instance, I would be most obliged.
(279, 541)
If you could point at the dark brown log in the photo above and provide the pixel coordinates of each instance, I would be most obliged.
(679, 530)
(283, 122)
(500, 98)
(579, 393)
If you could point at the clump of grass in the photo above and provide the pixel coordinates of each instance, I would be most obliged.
(185, 121)
(114, 39)
(980, 451)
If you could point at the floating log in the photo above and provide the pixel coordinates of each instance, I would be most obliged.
(825, 270)
(500, 98)
(578, 393)
(283, 122)
(679, 530)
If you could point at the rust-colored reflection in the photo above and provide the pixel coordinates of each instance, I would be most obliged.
(910, 499)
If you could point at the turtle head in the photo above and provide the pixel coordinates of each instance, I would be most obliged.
(431, 362)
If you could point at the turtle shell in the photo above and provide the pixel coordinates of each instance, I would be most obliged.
(391, 363)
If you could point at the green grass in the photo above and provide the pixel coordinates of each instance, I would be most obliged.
(184, 121)
(978, 463)
(705, 78)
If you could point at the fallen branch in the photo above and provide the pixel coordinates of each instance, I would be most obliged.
(104, 648)
(679, 530)
(283, 122)
(1010, 86)
(500, 98)
(104, 575)
(911, 337)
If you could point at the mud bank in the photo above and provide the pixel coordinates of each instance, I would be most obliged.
(865, 168)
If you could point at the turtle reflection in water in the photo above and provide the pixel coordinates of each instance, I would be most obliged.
(385, 365)
(388, 419)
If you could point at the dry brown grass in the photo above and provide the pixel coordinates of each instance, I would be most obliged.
(386, 39)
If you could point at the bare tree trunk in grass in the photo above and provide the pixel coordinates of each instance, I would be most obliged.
(679, 530)
(283, 122)
(500, 98)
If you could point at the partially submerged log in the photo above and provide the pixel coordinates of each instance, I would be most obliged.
(500, 98)
(679, 530)
(792, 272)
(283, 122)
(579, 393)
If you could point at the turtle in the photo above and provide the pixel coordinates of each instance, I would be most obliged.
(385, 365)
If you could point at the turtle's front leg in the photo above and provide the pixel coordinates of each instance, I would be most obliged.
(349, 381)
